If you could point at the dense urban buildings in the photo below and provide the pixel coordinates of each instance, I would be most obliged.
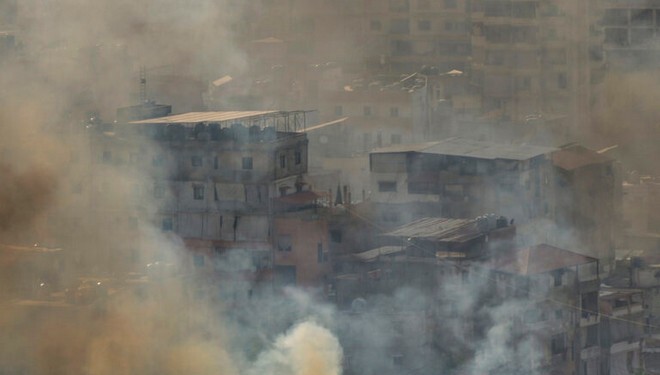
(396, 186)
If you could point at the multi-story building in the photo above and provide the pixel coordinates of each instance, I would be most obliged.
(630, 34)
(531, 62)
(560, 288)
(461, 178)
(229, 184)
(641, 214)
(622, 329)
(569, 197)
(588, 201)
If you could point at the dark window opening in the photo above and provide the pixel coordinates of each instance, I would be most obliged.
(247, 163)
(107, 157)
(562, 81)
(336, 235)
(424, 25)
(558, 344)
(282, 161)
(298, 157)
(386, 186)
(166, 224)
(557, 278)
(319, 253)
(198, 192)
(196, 161)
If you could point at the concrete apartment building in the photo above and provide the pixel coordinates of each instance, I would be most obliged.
(641, 214)
(219, 181)
(530, 60)
(630, 33)
(622, 332)
(569, 197)
(588, 201)
(462, 178)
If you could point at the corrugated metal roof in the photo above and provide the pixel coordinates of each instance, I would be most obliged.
(538, 259)
(373, 254)
(329, 123)
(196, 117)
(439, 229)
(474, 149)
(577, 157)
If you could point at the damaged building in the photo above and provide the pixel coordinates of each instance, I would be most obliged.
(219, 181)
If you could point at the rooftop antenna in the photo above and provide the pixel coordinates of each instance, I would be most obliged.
(143, 84)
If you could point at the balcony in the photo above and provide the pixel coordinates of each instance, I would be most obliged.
(590, 353)
(587, 319)
(627, 310)
(625, 346)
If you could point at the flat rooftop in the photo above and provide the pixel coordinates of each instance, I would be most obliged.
(471, 148)
(216, 116)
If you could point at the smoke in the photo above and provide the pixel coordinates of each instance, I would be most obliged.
(307, 349)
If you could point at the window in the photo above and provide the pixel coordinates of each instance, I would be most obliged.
(196, 161)
(394, 112)
(386, 186)
(558, 345)
(557, 277)
(198, 192)
(284, 242)
(401, 47)
(400, 26)
(283, 161)
(366, 110)
(339, 110)
(247, 163)
(215, 162)
(616, 36)
(423, 4)
(399, 5)
(524, 83)
(450, 4)
(107, 157)
(375, 25)
(395, 139)
(298, 157)
(562, 81)
(336, 235)
(424, 25)
(166, 224)
(319, 253)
